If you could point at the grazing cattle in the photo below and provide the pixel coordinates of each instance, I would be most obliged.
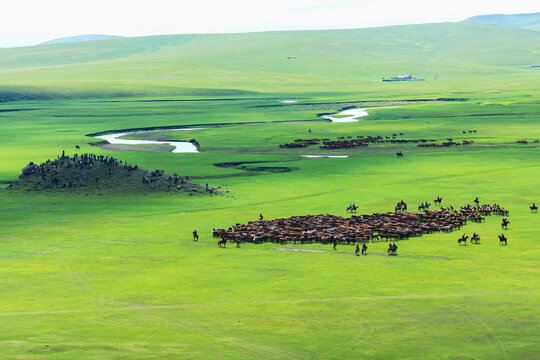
(534, 208)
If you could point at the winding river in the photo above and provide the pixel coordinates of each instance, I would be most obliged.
(183, 147)
(180, 147)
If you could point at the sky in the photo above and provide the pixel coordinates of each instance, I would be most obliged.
(28, 22)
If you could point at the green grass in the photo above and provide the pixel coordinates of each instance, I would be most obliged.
(118, 276)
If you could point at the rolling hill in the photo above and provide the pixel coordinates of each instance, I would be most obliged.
(80, 38)
(523, 21)
(330, 61)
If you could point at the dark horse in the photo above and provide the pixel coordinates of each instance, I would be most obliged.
(475, 239)
(401, 206)
(77, 147)
(438, 200)
(476, 201)
(222, 242)
(505, 223)
(195, 236)
(352, 208)
(534, 207)
(502, 239)
(462, 239)
(399, 154)
(424, 207)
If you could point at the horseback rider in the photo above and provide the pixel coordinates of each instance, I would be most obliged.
(260, 217)
(357, 250)
(364, 249)
(195, 236)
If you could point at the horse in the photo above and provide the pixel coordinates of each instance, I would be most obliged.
(195, 236)
(505, 223)
(502, 239)
(399, 154)
(462, 239)
(222, 242)
(77, 147)
(534, 208)
(392, 249)
(476, 201)
(357, 250)
(424, 207)
(352, 208)
(364, 249)
(438, 200)
(475, 239)
(260, 217)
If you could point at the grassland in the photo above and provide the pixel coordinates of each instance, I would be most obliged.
(118, 276)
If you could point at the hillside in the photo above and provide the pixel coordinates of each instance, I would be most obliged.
(80, 38)
(287, 62)
(523, 21)
(90, 173)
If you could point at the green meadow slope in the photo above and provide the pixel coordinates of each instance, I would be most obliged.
(90, 274)
(458, 55)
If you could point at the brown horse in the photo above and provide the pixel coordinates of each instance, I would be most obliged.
(222, 242)
(463, 239)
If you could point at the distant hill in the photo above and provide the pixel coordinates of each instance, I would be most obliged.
(80, 38)
(448, 55)
(522, 21)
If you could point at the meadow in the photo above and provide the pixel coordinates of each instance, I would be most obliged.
(118, 276)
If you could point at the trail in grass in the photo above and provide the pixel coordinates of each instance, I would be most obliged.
(264, 302)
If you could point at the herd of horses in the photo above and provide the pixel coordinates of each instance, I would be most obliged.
(332, 229)
(347, 142)
(391, 226)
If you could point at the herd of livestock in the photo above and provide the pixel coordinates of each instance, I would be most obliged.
(327, 229)
(347, 142)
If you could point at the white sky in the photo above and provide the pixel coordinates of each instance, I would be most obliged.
(26, 22)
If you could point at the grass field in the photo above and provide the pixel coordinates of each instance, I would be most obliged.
(118, 276)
